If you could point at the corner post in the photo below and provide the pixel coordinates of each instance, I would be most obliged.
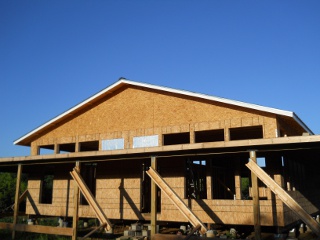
(255, 199)
(16, 200)
(153, 200)
(75, 217)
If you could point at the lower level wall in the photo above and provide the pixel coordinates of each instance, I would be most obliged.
(120, 198)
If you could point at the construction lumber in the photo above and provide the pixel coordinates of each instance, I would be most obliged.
(153, 200)
(255, 199)
(285, 197)
(90, 198)
(16, 200)
(93, 231)
(23, 196)
(198, 227)
(177, 201)
(37, 229)
(75, 217)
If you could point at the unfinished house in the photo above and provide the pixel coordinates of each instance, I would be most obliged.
(141, 152)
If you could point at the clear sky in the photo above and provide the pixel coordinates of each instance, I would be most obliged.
(55, 54)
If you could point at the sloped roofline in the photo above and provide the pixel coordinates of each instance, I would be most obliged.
(123, 82)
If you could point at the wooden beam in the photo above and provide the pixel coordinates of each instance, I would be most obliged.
(153, 200)
(296, 142)
(22, 197)
(75, 217)
(255, 199)
(237, 180)
(37, 229)
(191, 234)
(16, 200)
(285, 197)
(90, 198)
(177, 201)
(93, 231)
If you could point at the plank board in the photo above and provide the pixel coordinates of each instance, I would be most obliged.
(285, 197)
(38, 229)
(177, 201)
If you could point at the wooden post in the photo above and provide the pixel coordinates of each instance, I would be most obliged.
(255, 199)
(237, 180)
(77, 147)
(75, 206)
(56, 148)
(153, 200)
(16, 200)
(209, 179)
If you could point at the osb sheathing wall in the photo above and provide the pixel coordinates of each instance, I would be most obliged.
(62, 200)
(118, 191)
(134, 111)
(215, 210)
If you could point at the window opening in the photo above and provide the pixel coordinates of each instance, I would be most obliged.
(209, 136)
(222, 183)
(146, 190)
(46, 149)
(88, 173)
(46, 188)
(145, 141)
(242, 133)
(261, 161)
(67, 147)
(245, 185)
(89, 146)
(196, 183)
(113, 144)
(176, 138)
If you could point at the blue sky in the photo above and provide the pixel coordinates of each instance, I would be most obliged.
(55, 54)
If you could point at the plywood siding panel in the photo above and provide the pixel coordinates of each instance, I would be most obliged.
(139, 110)
(235, 122)
(119, 196)
(269, 127)
(215, 125)
(246, 122)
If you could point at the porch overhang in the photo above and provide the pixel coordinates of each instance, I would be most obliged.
(239, 146)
